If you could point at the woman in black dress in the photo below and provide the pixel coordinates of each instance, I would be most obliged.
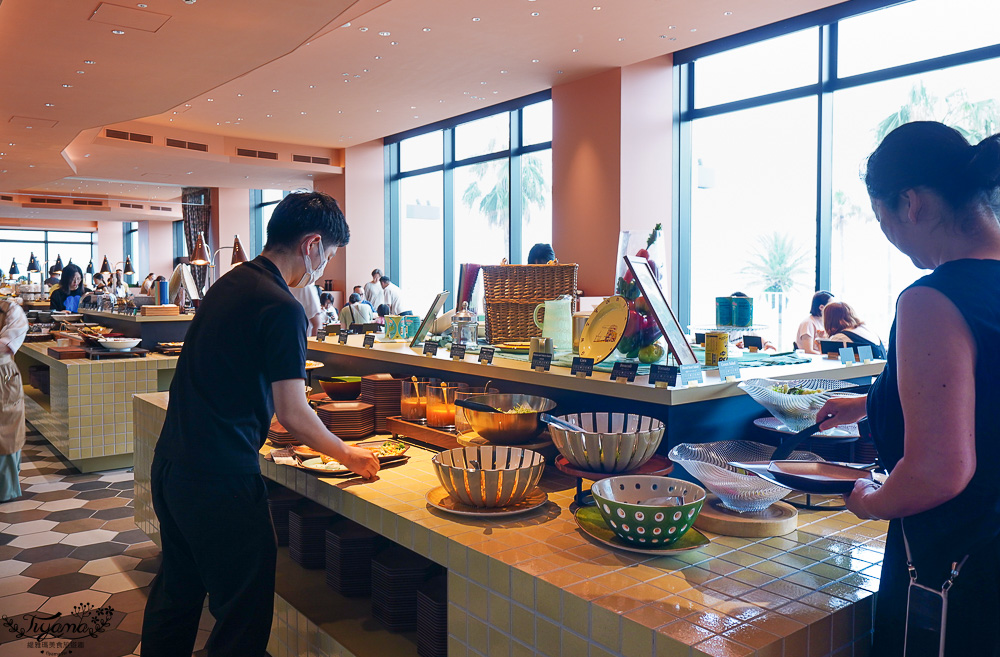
(934, 409)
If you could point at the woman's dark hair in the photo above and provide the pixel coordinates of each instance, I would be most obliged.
(540, 254)
(821, 298)
(933, 155)
(382, 310)
(325, 297)
(67, 275)
(307, 212)
(354, 298)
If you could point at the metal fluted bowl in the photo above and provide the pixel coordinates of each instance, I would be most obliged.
(508, 428)
(488, 476)
(709, 463)
(610, 442)
(797, 412)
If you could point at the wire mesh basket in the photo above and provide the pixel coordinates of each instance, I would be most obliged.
(795, 410)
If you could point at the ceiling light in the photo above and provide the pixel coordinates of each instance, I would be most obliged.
(672, 27)
(673, 38)
(597, 8)
(378, 56)
(694, 29)
(482, 83)
(413, 107)
(338, 112)
(49, 105)
(534, 61)
(503, 71)
(347, 24)
(427, 29)
(239, 95)
(67, 86)
(576, 50)
(274, 91)
(142, 5)
(559, 72)
(312, 86)
(378, 110)
(301, 112)
(534, 13)
(356, 75)
(210, 99)
(118, 31)
(384, 33)
(620, 39)
(393, 43)
(347, 80)
(728, 13)
(363, 29)
(475, 20)
(80, 72)
(364, 70)
(268, 115)
(187, 104)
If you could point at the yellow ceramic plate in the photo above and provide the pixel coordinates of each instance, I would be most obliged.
(604, 328)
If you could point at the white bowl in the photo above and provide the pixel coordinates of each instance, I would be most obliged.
(119, 344)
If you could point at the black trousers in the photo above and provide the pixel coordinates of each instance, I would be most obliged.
(217, 538)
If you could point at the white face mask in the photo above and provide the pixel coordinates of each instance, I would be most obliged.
(312, 275)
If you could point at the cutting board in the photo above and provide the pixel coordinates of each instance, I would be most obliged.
(65, 353)
(160, 311)
(776, 520)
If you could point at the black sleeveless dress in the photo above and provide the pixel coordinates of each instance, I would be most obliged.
(969, 523)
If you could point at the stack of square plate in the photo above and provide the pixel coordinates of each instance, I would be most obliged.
(350, 420)
(384, 392)
(432, 618)
(280, 436)
(396, 575)
(307, 534)
(349, 551)
(319, 398)
(282, 500)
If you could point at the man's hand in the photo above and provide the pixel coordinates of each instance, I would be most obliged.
(360, 461)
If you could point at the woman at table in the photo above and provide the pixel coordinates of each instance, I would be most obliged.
(842, 324)
(811, 329)
(13, 327)
(933, 410)
(67, 296)
(355, 312)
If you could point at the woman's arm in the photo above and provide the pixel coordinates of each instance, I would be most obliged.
(938, 394)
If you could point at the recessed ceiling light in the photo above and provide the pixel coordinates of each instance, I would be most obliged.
(576, 50)
(672, 27)
(534, 13)
(728, 13)
(67, 86)
(346, 74)
(80, 72)
(503, 71)
(340, 111)
(393, 43)
(534, 61)
(694, 29)
(301, 112)
(274, 91)
(364, 70)
(268, 115)
(384, 33)
(673, 38)
(482, 83)
(312, 86)
(378, 110)
(118, 31)
(362, 29)
(427, 29)
(597, 8)
(413, 107)
(49, 105)
(347, 24)
(559, 72)
(356, 75)
(475, 20)
(142, 5)
(620, 39)
(347, 79)
(378, 56)
(210, 100)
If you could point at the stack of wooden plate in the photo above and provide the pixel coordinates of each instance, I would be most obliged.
(432, 618)
(281, 501)
(349, 550)
(384, 392)
(319, 398)
(397, 573)
(351, 420)
(280, 436)
(307, 534)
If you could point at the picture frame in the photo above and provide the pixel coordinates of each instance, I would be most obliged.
(660, 309)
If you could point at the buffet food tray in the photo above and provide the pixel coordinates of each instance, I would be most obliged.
(397, 426)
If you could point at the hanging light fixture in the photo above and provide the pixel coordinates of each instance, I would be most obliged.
(200, 255)
(58, 265)
(14, 269)
(90, 267)
(128, 266)
(239, 254)
(105, 266)
(33, 264)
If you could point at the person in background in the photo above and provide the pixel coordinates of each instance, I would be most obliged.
(70, 291)
(53, 276)
(117, 286)
(373, 289)
(99, 285)
(391, 296)
(841, 323)
(359, 290)
(308, 296)
(356, 312)
(329, 311)
(380, 313)
(13, 328)
(933, 409)
(811, 330)
(215, 528)
(541, 254)
(147, 285)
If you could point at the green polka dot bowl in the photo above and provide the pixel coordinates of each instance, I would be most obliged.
(646, 510)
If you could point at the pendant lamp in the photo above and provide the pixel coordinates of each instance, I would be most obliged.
(105, 266)
(200, 255)
(32, 264)
(14, 269)
(58, 265)
(90, 267)
(128, 266)
(239, 254)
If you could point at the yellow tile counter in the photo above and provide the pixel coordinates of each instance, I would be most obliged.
(534, 584)
(87, 415)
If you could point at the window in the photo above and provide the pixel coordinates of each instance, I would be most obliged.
(71, 247)
(262, 202)
(473, 189)
(180, 242)
(774, 154)
(131, 248)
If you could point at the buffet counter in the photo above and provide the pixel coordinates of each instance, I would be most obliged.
(154, 329)
(87, 413)
(534, 584)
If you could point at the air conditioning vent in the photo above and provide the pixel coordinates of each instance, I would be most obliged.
(6, 198)
(246, 152)
(116, 134)
(145, 139)
(321, 160)
(80, 201)
(160, 208)
(190, 145)
(52, 201)
(128, 136)
(134, 206)
(176, 143)
(301, 158)
(263, 155)
(194, 146)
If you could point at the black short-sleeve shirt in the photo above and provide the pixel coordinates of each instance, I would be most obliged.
(248, 333)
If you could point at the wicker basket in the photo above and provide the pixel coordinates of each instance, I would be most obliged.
(511, 293)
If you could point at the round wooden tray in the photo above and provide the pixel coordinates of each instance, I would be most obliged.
(658, 465)
(776, 520)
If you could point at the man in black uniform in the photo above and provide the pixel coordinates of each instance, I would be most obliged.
(243, 359)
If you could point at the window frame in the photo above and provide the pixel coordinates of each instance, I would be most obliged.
(449, 164)
(827, 83)
(46, 262)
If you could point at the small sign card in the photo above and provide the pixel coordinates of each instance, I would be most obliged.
(624, 372)
(369, 341)
(541, 362)
(582, 367)
(321, 335)
(458, 352)
(847, 355)
(691, 374)
(729, 370)
(430, 348)
(486, 355)
(699, 338)
(865, 354)
(342, 337)
(753, 342)
(663, 376)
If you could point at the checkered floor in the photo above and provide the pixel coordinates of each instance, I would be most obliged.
(70, 541)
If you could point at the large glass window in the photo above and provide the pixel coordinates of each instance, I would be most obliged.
(262, 202)
(775, 181)
(69, 246)
(473, 189)
(131, 247)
